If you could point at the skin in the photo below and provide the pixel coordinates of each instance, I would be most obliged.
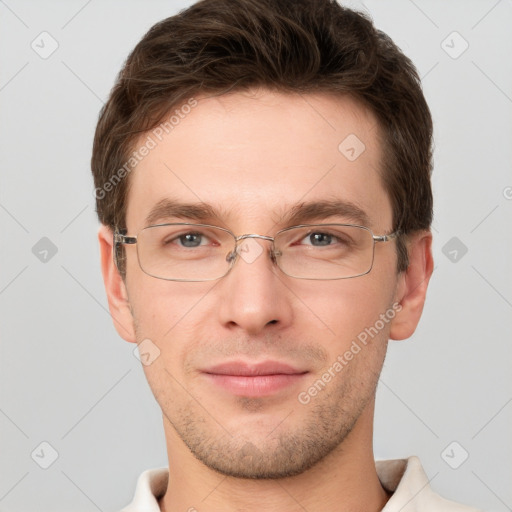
(253, 155)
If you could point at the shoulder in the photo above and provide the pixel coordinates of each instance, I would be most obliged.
(411, 488)
(151, 485)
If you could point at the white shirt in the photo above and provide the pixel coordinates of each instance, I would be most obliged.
(404, 477)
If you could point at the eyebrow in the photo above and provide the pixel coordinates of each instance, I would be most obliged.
(296, 214)
(169, 208)
(322, 210)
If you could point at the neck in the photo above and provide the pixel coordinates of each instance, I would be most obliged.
(345, 480)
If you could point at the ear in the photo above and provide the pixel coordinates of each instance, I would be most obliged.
(115, 287)
(412, 285)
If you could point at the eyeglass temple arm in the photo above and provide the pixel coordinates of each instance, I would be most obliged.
(386, 238)
(119, 238)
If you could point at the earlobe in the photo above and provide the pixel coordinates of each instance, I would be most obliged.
(115, 287)
(412, 286)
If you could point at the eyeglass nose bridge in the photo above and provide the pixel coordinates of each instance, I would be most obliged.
(231, 257)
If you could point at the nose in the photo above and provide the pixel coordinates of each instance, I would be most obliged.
(254, 297)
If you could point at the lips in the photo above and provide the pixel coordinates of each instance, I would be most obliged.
(245, 369)
(248, 379)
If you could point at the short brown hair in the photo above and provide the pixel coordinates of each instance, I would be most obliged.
(303, 46)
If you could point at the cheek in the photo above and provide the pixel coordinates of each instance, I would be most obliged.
(166, 312)
(340, 310)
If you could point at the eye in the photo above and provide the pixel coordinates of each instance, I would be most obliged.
(319, 239)
(340, 238)
(189, 240)
(323, 239)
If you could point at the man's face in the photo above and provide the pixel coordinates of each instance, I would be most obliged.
(253, 158)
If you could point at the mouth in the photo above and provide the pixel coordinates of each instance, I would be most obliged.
(247, 379)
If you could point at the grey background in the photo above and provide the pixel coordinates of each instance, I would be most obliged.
(67, 378)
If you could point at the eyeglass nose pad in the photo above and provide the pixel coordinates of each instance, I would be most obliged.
(231, 256)
(274, 254)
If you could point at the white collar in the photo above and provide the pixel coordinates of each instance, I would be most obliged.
(404, 477)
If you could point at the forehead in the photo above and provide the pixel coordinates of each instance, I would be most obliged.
(253, 156)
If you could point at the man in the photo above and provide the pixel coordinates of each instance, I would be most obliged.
(262, 173)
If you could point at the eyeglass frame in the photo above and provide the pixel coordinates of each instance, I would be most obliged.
(121, 238)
